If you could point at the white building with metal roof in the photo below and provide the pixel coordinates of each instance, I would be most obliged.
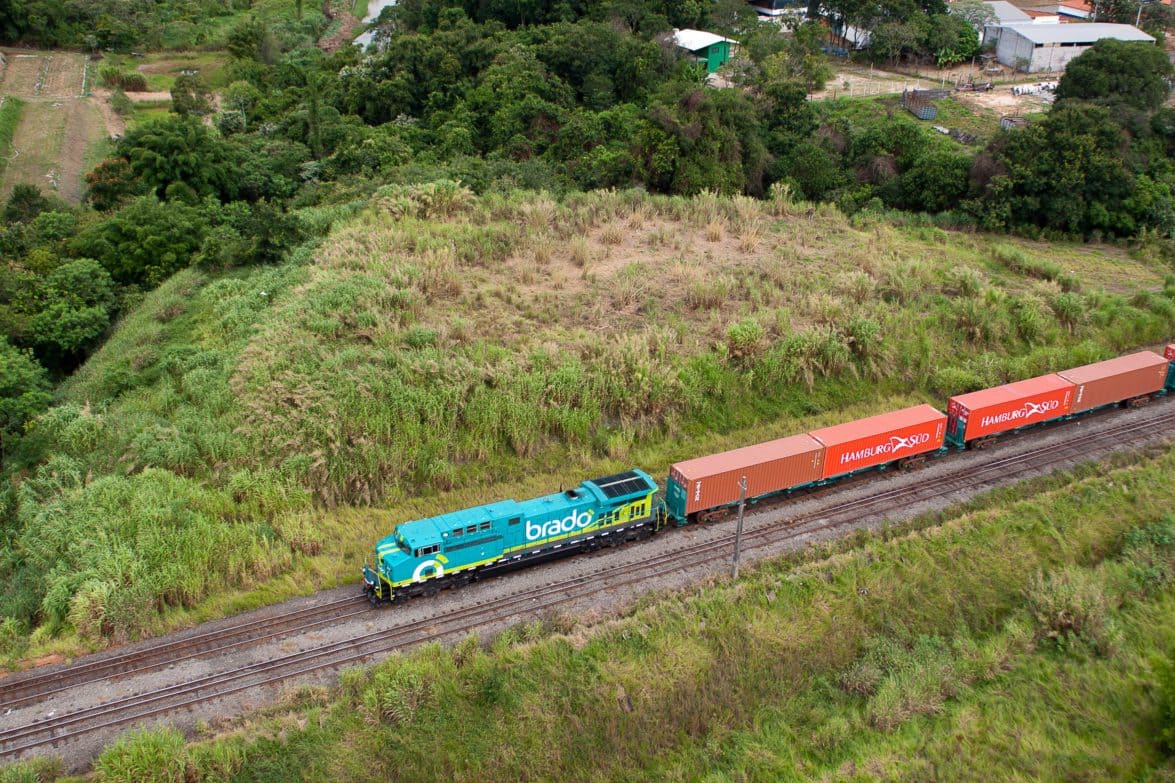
(1003, 14)
(1049, 47)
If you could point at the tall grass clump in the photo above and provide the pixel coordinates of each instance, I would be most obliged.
(34, 770)
(155, 755)
(1071, 608)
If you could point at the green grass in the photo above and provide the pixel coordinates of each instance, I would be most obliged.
(359, 9)
(949, 649)
(147, 111)
(439, 351)
(162, 68)
(862, 114)
(954, 115)
(9, 119)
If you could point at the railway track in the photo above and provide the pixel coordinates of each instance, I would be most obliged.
(39, 685)
(762, 534)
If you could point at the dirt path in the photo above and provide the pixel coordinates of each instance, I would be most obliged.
(115, 125)
(59, 125)
(346, 32)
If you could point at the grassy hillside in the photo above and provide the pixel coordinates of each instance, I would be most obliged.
(1031, 637)
(438, 350)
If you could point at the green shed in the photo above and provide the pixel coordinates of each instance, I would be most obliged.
(707, 48)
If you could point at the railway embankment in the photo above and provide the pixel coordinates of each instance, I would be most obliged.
(206, 676)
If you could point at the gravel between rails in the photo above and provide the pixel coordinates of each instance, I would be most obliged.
(765, 536)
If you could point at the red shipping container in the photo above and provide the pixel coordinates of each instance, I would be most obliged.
(712, 481)
(1010, 406)
(868, 442)
(1115, 380)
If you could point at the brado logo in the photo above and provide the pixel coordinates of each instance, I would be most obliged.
(555, 527)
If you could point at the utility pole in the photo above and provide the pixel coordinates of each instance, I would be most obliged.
(738, 532)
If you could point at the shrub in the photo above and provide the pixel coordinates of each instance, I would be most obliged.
(1071, 610)
(745, 340)
(144, 756)
(397, 693)
(120, 80)
(122, 105)
(1069, 309)
(1149, 554)
(35, 770)
(1031, 318)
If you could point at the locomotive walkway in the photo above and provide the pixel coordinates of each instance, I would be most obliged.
(30, 725)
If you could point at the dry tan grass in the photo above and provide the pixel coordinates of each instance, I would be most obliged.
(579, 252)
(750, 235)
(794, 272)
(612, 234)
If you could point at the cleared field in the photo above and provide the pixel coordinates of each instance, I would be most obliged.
(22, 77)
(36, 147)
(61, 131)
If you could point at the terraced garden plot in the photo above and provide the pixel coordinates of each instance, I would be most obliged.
(61, 131)
(22, 75)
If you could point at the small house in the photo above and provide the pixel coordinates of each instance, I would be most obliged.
(707, 48)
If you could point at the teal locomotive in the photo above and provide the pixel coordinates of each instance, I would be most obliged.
(421, 557)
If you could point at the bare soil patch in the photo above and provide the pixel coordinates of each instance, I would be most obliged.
(115, 124)
(343, 35)
(857, 82)
(22, 77)
(64, 75)
(83, 126)
(1003, 102)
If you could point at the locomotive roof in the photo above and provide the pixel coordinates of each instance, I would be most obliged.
(617, 487)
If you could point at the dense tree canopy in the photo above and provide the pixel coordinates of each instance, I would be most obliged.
(1127, 72)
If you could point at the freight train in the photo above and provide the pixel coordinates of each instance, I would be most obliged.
(425, 555)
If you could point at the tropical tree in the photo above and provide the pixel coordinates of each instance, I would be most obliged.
(1126, 72)
(179, 151)
(24, 390)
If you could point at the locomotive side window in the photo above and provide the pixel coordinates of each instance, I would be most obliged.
(471, 529)
(458, 532)
(428, 550)
(515, 520)
(485, 526)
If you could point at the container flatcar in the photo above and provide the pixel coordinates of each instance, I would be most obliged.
(712, 482)
(867, 443)
(1125, 378)
(983, 414)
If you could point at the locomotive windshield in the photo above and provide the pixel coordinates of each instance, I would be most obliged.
(400, 542)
